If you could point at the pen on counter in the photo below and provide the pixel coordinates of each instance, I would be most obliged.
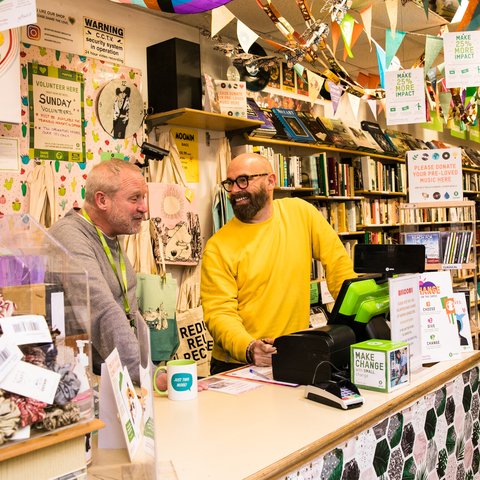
(259, 375)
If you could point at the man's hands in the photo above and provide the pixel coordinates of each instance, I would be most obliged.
(262, 351)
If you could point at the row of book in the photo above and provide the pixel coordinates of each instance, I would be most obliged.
(436, 215)
(379, 211)
(331, 175)
(443, 247)
(287, 124)
(374, 176)
(342, 216)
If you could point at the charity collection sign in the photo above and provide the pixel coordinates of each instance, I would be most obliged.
(405, 96)
(462, 59)
(440, 339)
(435, 175)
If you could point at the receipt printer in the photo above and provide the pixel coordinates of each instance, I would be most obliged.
(307, 356)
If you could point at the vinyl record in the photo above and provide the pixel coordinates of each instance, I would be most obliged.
(256, 78)
(324, 91)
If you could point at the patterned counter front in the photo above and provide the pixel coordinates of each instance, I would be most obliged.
(437, 437)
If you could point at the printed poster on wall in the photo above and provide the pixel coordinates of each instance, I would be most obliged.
(232, 97)
(103, 40)
(55, 29)
(440, 339)
(10, 105)
(56, 113)
(462, 59)
(435, 175)
(186, 140)
(405, 96)
(15, 13)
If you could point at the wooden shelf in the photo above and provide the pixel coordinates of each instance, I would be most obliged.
(444, 266)
(382, 194)
(189, 117)
(14, 449)
(333, 198)
(323, 148)
(460, 203)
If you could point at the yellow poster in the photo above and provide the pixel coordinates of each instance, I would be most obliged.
(186, 140)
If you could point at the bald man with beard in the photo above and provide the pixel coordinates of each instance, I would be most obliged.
(255, 283)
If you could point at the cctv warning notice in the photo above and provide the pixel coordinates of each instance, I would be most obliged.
(103, 40)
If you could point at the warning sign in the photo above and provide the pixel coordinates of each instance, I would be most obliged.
(103, 40)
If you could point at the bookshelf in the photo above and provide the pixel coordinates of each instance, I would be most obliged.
(448, 231)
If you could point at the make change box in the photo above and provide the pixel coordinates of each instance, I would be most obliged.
(380, 365)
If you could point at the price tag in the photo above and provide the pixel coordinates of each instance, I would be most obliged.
(10, 356)
(31, 381)
(26, 329)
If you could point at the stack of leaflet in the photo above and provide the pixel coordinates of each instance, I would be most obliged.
(254, 112)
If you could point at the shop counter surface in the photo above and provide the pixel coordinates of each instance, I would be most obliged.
(272, 430)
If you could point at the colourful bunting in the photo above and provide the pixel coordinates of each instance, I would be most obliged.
(335, 94)
(357, 30)
(221, 17)
(445, 99)
(366, 15)
(425, 7)
(392, 12)
(246, 36)
(433, 46)
(335, 32)
(315, 83)
(373, 107)
(471, 17)
(354, 104)
(346, 28)
(381, 62)
(393, 40)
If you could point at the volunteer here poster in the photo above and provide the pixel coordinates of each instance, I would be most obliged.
(56, 106)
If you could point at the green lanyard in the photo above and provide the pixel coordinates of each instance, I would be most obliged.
(123, 280)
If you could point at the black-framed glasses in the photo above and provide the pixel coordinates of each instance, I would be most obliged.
(241, 181)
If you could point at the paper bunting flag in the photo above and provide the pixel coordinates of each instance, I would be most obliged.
(357, 30)
(366, 15)
(221, 17)
(354, 104)
(246, 36)
(335, 93)
(425, 7)
(433, 46)
(381, 62)
(299, 69)
(392, 12)
(393, 40)
(335, 31)
(315, 84)
(346, 27)
(471, 17)
(373, 107)
(445, 100)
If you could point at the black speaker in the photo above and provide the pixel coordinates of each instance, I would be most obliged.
(173, 73)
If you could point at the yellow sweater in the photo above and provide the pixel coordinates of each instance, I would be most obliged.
(256, 277)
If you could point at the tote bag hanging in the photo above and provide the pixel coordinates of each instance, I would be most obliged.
(156, 298)
(175, 224)
(196, 343)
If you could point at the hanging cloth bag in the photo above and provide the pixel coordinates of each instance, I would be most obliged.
(175, 224)
(196, 343)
